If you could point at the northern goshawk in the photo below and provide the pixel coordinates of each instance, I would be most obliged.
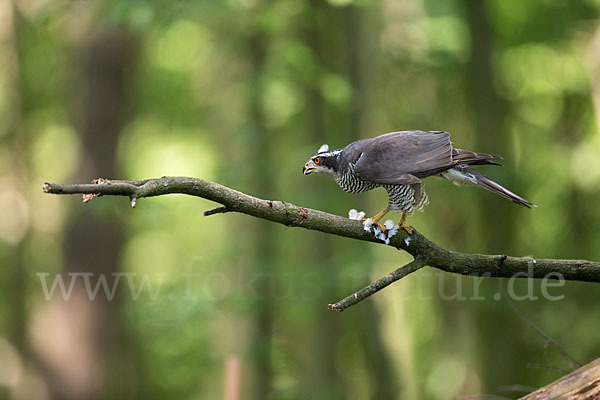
(397, 161)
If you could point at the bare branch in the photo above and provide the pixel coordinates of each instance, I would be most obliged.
(547, 338)
(218, 210)
(428, 253)
(581, 384)
(379, 284)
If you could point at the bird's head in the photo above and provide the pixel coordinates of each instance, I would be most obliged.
(325, 161)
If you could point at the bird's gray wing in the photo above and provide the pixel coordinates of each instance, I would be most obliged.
(402, 157)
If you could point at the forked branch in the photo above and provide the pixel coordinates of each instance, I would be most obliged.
(425, 251)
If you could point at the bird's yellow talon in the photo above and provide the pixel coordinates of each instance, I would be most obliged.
(379, 224)
(376, 219)
(402, 225)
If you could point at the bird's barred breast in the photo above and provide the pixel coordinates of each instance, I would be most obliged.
(351, 184)
(401, 197)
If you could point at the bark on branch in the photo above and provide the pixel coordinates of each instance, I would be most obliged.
(425, 251)
(581, 384)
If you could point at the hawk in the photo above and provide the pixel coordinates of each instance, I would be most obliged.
(398, 161)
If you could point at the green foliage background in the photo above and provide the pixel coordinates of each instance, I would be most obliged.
(242, 92)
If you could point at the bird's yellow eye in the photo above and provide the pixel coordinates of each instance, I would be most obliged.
(317, 160)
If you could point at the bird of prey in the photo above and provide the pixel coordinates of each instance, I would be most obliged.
(398, 161)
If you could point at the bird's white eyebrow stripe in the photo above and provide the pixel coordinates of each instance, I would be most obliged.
(329, 153)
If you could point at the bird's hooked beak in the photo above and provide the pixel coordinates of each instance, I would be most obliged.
(308, 167)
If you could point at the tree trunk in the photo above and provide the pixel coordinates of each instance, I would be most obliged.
(95, 361)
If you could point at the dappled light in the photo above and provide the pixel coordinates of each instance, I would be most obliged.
(105, 300)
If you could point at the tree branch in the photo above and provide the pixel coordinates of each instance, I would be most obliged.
(581, 384)
(429, 253)
(379, 284)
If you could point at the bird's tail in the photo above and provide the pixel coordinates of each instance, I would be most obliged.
(465, 175)
(488, 184)
(460, 157)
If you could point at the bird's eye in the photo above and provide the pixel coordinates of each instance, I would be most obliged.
(317, 160)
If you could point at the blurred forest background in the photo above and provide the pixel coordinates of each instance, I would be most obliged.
(242, 92)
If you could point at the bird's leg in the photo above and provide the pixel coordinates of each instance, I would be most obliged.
(377, 217)
(402, 225)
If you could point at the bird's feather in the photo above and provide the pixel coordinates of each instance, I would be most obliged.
(466, 175)
(401, 157)
(460, 156)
